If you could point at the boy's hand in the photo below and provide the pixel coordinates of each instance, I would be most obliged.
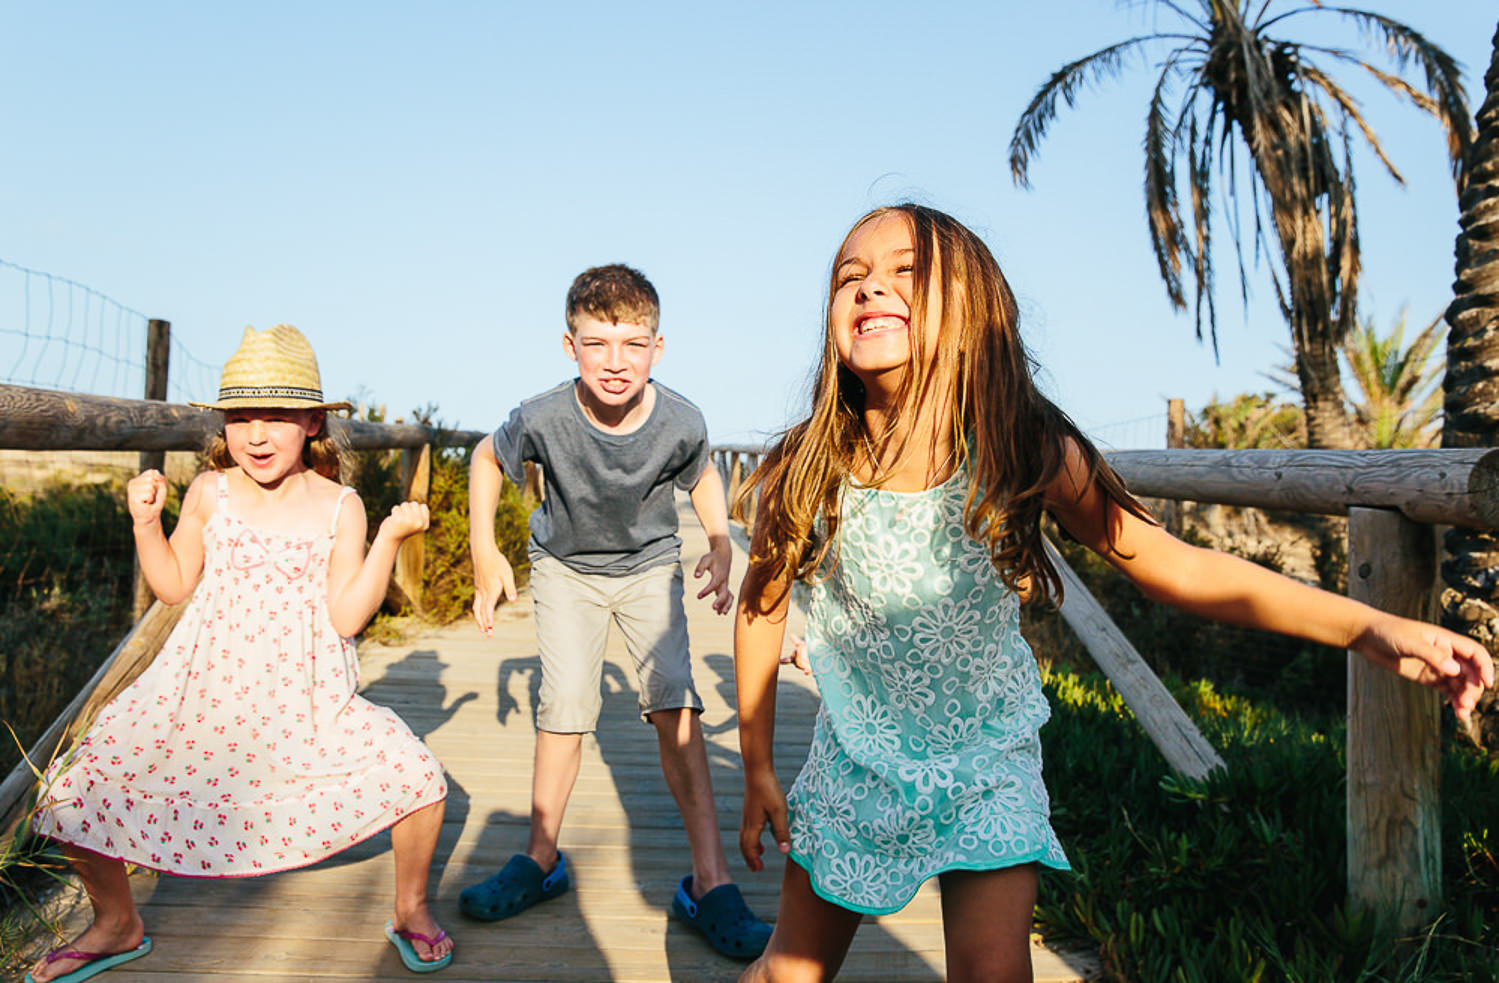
(764, 802)
(405, 520)
(716, 563)
(1454, 665)
(145, 496)
(494, 581)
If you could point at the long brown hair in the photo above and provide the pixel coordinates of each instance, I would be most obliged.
(1011, 439)
(320, 452)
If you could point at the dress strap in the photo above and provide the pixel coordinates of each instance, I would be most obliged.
(337, 507)
(221, 493)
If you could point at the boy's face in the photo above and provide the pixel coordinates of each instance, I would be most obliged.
(614, 359)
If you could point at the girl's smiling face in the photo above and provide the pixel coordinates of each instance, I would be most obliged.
(871, 308)
(267, 443)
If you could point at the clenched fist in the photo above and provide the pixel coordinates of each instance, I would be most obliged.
(146, 495)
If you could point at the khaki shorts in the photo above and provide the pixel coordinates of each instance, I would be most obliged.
(573, 611)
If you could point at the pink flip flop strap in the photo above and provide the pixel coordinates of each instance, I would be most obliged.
(88, 957)
(419, 937)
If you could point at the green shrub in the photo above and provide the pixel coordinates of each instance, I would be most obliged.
(1242, 876)
(66, 589)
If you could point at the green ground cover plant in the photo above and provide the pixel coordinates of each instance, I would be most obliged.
(1242, 877)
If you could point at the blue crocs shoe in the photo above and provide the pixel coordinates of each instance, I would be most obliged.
(722, 917)
(519, 885)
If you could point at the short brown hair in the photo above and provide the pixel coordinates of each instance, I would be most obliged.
(614, 293)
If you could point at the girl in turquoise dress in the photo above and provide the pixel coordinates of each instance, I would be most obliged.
(911, 500)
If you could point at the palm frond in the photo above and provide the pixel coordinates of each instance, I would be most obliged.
(1065, 83)
(1444, 77)
(1349, 110)
(1161, 206)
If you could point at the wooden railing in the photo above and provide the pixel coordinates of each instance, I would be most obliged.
(45, 420)
(1392, 500)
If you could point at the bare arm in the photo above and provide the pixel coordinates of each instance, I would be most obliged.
(757, 662)
(357, 581)
(493, 579)
(713, 513)
(1226, 588)
(171, 568)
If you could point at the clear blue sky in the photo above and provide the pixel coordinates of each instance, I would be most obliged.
(416, 185)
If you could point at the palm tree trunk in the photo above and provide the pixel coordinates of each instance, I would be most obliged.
(1471, 602)
(1320, 255)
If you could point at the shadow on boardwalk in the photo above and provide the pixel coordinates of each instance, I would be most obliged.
(472, 699)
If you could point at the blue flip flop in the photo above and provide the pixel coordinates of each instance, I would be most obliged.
(520, 884)
(722, 917)
(97, 962)
(402, 939)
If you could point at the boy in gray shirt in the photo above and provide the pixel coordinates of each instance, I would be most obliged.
(613, 446)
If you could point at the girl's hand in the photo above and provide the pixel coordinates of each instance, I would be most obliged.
(145, 496)
(764, 802)
(798, 654)
(406, 519)
(1454, 665)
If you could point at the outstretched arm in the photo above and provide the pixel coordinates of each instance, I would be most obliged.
(757, 661)
(171, 567)
(713, 512)
(1226, 588)
(493, 579)
(357, 581)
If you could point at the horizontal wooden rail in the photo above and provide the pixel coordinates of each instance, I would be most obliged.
(44, 419)
(1457, 487)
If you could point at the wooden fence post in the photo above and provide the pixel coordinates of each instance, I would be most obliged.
(416, 482)
(158, 357)
(1394, 805)
(1176, 438)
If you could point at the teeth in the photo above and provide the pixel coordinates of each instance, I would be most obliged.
(880, 324)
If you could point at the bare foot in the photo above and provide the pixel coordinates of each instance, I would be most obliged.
(421, 920)
(103, 940)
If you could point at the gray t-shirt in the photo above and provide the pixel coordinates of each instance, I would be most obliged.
(609, 506)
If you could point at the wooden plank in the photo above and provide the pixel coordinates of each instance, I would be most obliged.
(471, 699)
(1394, 735)
(1454, 486)
(1162, 719)
(45, 419)
(416, 482)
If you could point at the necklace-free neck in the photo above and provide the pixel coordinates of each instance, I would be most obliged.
(908, 469)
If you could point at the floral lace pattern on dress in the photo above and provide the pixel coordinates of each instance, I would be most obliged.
(925, 754)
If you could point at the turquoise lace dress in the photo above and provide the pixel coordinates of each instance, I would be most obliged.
(925, 755)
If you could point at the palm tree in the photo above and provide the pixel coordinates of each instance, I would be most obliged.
(1232, 97)
(1471, 602)
(1400, 389)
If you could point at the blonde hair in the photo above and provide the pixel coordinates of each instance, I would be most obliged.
(321, 452)
(1011, 439)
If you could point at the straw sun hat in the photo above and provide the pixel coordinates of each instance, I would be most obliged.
(273, 369)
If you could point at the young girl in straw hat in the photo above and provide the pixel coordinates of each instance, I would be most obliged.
(243, 749)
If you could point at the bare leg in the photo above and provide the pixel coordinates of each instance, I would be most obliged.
(117, 925)
(811, 935)
(986, 923)
(684, 762)
(414, 840)
(558, 757)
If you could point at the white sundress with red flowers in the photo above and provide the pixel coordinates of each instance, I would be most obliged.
(243, 748)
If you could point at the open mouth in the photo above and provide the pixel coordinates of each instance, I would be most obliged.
(614, 386)
(876, 323)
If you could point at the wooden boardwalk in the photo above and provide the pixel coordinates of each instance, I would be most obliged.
(472, 700)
